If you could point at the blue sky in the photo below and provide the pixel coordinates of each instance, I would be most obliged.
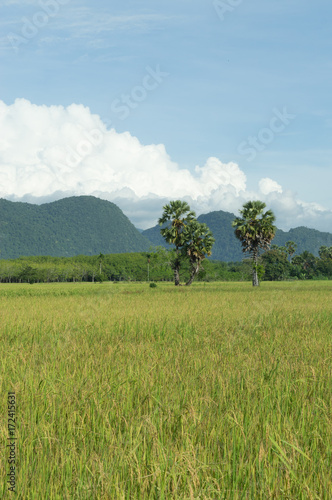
(247, 83)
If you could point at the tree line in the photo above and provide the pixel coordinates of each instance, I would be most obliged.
(274, 265)
(151, 266)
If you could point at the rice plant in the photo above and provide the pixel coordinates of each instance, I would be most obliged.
(217, 391)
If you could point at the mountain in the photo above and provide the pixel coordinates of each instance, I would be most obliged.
(71, 226)
(305, 238)
(85, 225)
(228, 248)
(153, 235)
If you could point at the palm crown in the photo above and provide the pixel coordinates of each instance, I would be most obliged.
(255, 228)
(198, 241)
(179, 214)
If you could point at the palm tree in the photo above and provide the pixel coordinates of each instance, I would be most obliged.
(307, 261)
(325, 253)
(178, 214)
(255, 230)
(290, 248)
(198, 245)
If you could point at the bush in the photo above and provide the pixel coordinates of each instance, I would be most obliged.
(153, 285)
(101, 277)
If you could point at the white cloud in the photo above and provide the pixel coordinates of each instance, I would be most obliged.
(50, 152)
(267, 186)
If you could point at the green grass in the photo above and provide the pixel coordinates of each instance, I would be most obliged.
(217, 391)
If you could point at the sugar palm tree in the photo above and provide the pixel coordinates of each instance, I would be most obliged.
(307, 261)
(176, 216)
(255, 230)
(198, 245)
(290, 248)
(325, 253)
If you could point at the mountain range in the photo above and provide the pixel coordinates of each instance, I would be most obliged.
(87, 225)
(71, 226)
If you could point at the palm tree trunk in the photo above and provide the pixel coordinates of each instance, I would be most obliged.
(176, 267)
(176, 275)
(255, 281)
(193, 273)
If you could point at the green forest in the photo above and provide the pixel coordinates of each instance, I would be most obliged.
(275, 265)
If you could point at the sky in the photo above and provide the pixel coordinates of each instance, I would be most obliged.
(215, 102)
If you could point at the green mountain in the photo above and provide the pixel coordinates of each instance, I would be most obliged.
(227, 248)
(305, 238)
(85, 225)
(71, 226)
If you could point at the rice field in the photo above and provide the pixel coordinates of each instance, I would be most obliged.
(215, 391)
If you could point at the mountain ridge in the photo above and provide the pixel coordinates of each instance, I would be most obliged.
(65, 228)
(86, 225)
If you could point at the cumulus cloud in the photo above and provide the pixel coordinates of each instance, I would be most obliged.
(49, 152)
(267, 186)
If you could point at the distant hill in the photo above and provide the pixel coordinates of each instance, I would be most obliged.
(85, 225)
(227, 248)
(71, 226)
(306, 239)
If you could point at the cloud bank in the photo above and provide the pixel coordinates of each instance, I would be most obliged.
(49, 152)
